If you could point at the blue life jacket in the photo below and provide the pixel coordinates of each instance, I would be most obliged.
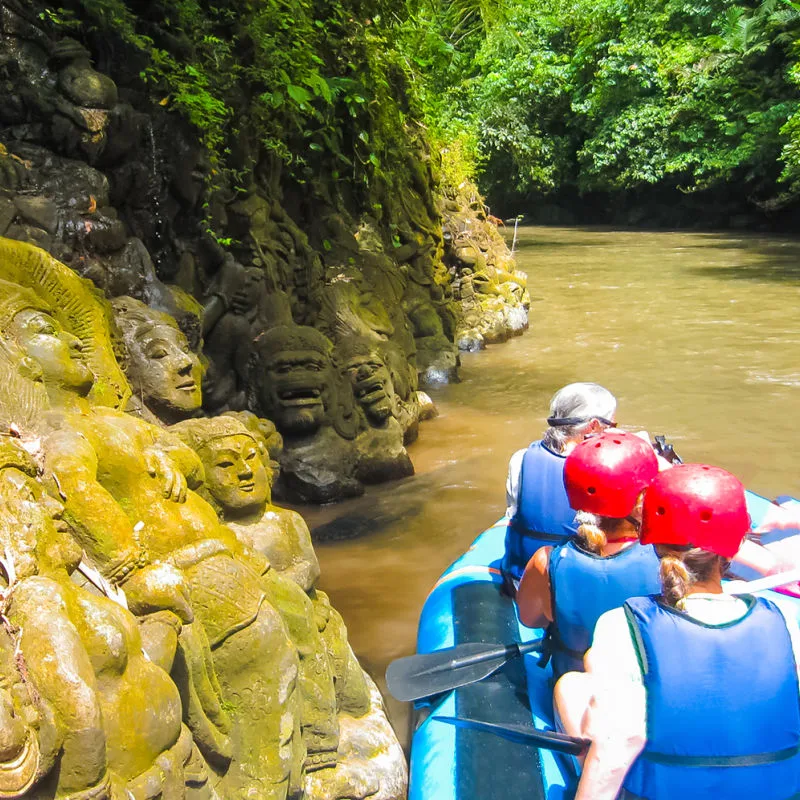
(543, 513)
(583, 586)
(723, 705)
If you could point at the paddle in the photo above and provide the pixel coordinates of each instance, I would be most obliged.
(762, 584)
(549, 740)
(414, 677)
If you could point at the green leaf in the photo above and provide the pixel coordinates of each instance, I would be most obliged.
(298, 94)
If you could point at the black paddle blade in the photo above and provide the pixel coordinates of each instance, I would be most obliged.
(415, 677)
(548, 740)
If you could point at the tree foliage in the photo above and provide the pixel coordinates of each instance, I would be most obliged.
(320, 84)
(616, 95)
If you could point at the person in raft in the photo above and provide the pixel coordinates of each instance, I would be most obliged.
(570, 586)
(693, 693)
(537, 504)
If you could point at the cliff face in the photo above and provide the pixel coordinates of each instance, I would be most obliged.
(250, 168)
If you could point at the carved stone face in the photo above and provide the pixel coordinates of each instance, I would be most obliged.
(296, 383)
(235, 474)
(38, 539)
(164, 369)
(372, 386)
(58, 353)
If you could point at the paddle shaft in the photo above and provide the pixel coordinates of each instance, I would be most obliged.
(548, 740)
(507, 653)
(762, 584)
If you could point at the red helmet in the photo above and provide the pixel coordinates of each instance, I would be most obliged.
(696, 505)
(606, 474)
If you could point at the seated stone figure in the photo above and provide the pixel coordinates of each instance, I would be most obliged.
(238, 485)
(143, 528)
(108, 720)
(151, 336)
(381, 454)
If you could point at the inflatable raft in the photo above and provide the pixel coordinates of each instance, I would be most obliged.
(455, 762)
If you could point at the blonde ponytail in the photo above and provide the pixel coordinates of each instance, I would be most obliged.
(591, 538)
(675, 579)
(682, 569)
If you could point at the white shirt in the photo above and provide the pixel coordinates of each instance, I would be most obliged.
(619, 709)
(512, 482)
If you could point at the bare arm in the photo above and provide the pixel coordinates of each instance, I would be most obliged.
(533, 595)
(615, 720)
(760, 559)
(606, 765)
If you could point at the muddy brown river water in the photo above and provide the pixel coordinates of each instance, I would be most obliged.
(698, 335)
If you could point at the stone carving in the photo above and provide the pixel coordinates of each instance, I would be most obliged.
(238, 485)
(163, 372)
(493, 297)
(101, 718)
(381, 453)
(351, 308)
(239, 309)
(128, 489)
(337, 412)
(294, 383)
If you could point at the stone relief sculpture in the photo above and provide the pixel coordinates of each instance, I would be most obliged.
(340, 426)
(238, 484)
(380, 444)
(252, 668)
(101, 459)
(492, 296)
(164, 374)
(86, 176)
(104, 720)
(240, 308)
(295, 385)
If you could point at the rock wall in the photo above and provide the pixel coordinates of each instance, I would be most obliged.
(104, 175)
(177, 347)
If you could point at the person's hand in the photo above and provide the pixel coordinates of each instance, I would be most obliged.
(172, 480)
(159, 587)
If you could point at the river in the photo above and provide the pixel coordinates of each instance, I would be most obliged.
(698, 335)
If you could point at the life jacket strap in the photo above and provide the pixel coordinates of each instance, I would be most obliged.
(553, 643)
(555, 538)
(754, 760)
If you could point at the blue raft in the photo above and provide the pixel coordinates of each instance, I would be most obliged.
(458, 763)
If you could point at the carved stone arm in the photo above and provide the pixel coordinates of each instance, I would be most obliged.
(97, 521)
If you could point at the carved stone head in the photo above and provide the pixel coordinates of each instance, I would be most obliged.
(161, 367)
(294, 378)
(48, 353)
(236, 477)
(361, 362)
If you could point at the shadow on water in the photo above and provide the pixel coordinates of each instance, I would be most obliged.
(776, 269)
(379, 511)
